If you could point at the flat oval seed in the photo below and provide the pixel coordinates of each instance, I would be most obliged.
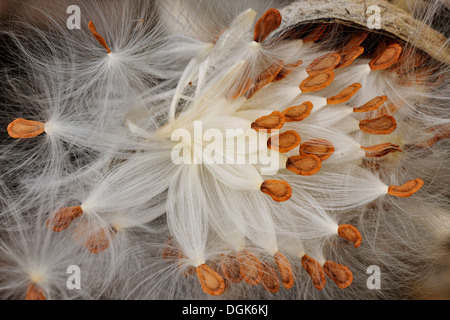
(230, 268)
(279, 190)
(271, 122)
(285, 269)
(266, 77)
(319, 147)
(385, 124)
(380, 150)
(269, 278)
(212, 283)
(371, 105)
(286, 70)
(317, 81)
(349, 232)
(99, 241)
(387, 58)
(348, 58)
(304, 165)
(345, 94)
(324, 63)
(269, 22)
(284, 142)
(250, 267)
(316, 34)
(241, 88)
(407, 189)
(63, 218)
(298, 113)
(98, 36)
(340, 274)
(315, 271)
(355, 41)
(34, 292)
(25, 129)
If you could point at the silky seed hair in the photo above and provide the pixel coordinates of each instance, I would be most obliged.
(353, 121)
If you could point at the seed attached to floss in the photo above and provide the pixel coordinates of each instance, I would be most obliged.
(380, 150)
(298, 113)
(169, 251)
(407, 189)
(285, 269)
(269, 22)
(355, 41)
(340, 274)
(273, 121)
(278, 190)
(345, 94)
(286, 70)
(319, 147)
(304, 165)
(317, 81)
(25, 129)
(349, 232)
(98, 36)
(325, 63)
(63, 218)
(269, 279)
(385, 124)
(241, 88)
(212, 283)
(34, 292)
(230, 268)
(371, 105)
(250, 267)
(386, 58)
(315, 34)
(284, 142)
(348, 58)
(96, 242)
(315, 271)
(266, 77)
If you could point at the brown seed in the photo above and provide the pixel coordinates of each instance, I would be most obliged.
(95, 242)
(286, 70)
(274, 121)
(266, 77)
(317, 81)
(25, 129)
(63, 218)
(34, 292)
(345, 94)
(231, 268)
(269, 22)
(285, 269)
(371, 105)
(269, 279)
(212, 283)
(315, 271)
(385, 124)
(250, 267)
(319, 147)
(304, 165)
(284, 142)
(440, 133)
(325, 63)
(340, 274)
(298, 113)
(239, 89)
(380, 150)
(315, 34)
(407, 189)
(98, 36)
(348, 57)
(349, 232)
(355, 41)
(386, 58)
(279, 190)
